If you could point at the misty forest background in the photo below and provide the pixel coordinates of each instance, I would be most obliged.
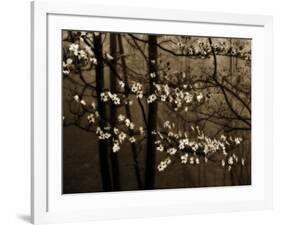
(143, 111)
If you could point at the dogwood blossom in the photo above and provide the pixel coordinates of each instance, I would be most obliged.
(167, 124)
(230, 160)
(238, 140)
(76, 98)
(94, 60)
(184, 158)
(83, 102)
(69, 61)
(116, 147)
(132, 126)
(151, 98)
(160, 148)
(163, 164)
(153, 75)
(191, 160)
(91, 118)
(172, 151)
(116, 130)
(121, 84)
(101, 134)
(141, 130)
(66, 71)
(132, 139)
(82, 55)
(106, 96)
(199, 97)
(196, 143)
(74, 48)
(121, 117)
(136, 88)
(122, 136)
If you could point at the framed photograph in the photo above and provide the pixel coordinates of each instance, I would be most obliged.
(141, 112)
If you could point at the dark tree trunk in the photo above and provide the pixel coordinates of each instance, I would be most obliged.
(113, 115)
(103, 144)
(152, 115)
(129, 116)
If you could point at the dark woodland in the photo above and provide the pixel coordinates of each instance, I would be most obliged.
(146, 111)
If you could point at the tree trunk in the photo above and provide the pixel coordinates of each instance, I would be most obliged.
(113, 115)
(129, 116)
(103, 144)
(152, 115)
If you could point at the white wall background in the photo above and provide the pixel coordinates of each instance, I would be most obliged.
(15, 109)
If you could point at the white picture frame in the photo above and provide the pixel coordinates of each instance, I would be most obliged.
(47, 204)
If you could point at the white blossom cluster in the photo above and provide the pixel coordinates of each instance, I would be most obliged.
(151, 98)
(191, 147)
(107, 96)
(179, 98)
(195, 147)
(164, 164)
(203, 49)
(118, 135)
(121, 84)
(103, 134)
(231, 160)
(191, 159)
(126, 121)
(80, 53)
(116, 146)
(137, 89)
(66, 66)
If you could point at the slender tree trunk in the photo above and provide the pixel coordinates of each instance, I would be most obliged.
(129, 116)
(103, 144)
(113, 116)
(152, 115)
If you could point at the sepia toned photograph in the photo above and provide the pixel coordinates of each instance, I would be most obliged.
(154, 111)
